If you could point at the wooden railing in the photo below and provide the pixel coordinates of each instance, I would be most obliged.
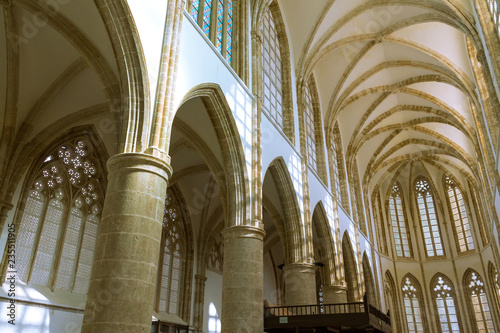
(303, 310)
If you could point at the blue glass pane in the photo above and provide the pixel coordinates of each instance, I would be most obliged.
(195, 9)
(206, 17)
(220, 21)
(229, 33)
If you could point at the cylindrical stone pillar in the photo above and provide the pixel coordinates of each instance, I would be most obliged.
(123, 282)
(334, 294)
(243, 280)
(300, 284)
(199, 299)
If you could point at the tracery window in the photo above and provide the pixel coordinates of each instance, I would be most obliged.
(172, 257)
(215, 17)
(444, 297)
(494, 7)
(459, 214)
(271, 70)
(58, 227)
(495, 281)
(398, 221)
(428, 218)
(478, 300)
(411, 295)
(310, 129)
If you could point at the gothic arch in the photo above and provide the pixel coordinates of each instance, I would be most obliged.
(234, 165)
(325, 245)
(295, 242)
(134, 102)
(371, 290)
(350, 269)
(392, 301)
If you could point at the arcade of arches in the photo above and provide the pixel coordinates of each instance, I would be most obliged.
(190, 161)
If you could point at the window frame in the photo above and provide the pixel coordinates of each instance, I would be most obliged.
(432, 197)
(404, 221)
(447, 181)
(451, 291)
(90, 207)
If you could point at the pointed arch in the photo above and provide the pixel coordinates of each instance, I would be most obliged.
(371, 290)
(234, 165)
(392, 302)
(350, 269)
(478, 301)
(445, 304)
(412, 302)
(495, 283)
(59, 211)
(324, 246)
(294, 233)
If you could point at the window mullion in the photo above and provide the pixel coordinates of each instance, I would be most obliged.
(57, 252)
(37, 240)
(80, 243)
(224, 31)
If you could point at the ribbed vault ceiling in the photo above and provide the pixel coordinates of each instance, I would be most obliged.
(396, 77)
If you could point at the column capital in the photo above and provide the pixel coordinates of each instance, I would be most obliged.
(4, 208)
(141, 162)
(243, 231)
(201, 278)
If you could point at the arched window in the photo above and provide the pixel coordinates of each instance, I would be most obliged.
(172, 257)
(411, 299)
(337, 170)
(58, 227)
(444, 299)
(463, 234)
(215, 17)
(310, 129)
(428, 218)
(478, 302)
(495, 282)
(494, 7)
(271, 70)
(398, 221)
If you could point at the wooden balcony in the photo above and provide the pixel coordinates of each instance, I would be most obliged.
(346, 317)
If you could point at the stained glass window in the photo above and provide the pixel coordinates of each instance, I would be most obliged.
(58, 227)
(207, 13)
(220, 24)
(310, 129)
(459, 215)
(172, 258)
(411, 294)
(398, 219)
(271, 70)
(428, 218)
(229, 32)
(479, 302)
(444, 297)
(195, 9)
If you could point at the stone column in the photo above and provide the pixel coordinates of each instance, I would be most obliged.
(243, 280)
(300, 284)
(199, 300)
(334, 294)
(123, 282)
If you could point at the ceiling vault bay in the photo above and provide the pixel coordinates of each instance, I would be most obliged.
(397, 79)
(57, 72)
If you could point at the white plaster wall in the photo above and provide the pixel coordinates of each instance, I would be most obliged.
(213, 294)
(35, 319)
